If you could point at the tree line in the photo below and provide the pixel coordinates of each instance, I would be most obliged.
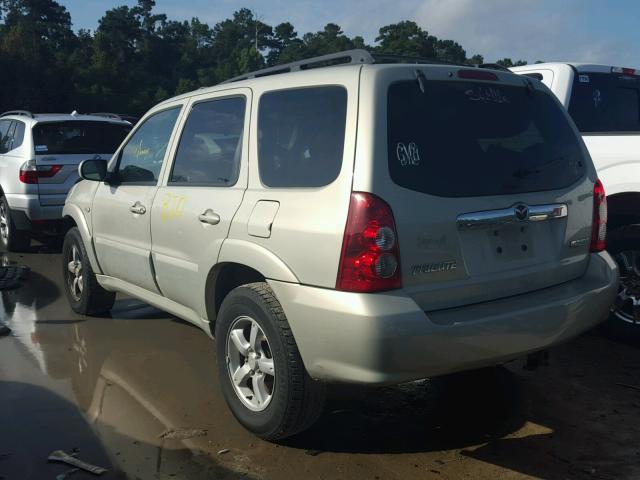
(138, 57)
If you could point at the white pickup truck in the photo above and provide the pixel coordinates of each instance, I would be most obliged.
(604, 102)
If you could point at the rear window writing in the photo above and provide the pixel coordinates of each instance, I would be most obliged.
(461, 139)
(78, 137)
(605, 102)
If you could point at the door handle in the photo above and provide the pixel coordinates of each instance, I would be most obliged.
(138, 209)
(210, 217)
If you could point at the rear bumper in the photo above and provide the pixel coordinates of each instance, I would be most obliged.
(26, 209)
(387, 338)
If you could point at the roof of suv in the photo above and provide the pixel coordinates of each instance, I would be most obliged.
(348, 61)
(579, 66)
(33, 118)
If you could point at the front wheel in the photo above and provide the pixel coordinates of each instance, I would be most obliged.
(624, 246)
(261, 373)
(84, 293)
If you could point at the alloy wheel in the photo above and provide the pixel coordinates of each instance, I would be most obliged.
(250, 363)
(627, 304)
(74, 277)
(4, 223)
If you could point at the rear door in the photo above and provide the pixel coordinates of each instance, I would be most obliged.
(121, 217)
(488, 185)
(60, 146)
(203, 188)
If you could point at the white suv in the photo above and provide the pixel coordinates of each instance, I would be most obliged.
(604, 102)
(365, 223)
(39, 157)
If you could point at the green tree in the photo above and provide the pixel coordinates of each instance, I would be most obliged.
(476, 60)
(137, 56)
(35, 42)
(508, 63)
(406, 38)
(285, 46)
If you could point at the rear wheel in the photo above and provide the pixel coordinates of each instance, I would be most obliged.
(261, 373)
(13, 240)
(624, 246)
(84, 293)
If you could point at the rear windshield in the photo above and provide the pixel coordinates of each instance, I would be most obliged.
(605, 102)
(460, 139)
(75, 137)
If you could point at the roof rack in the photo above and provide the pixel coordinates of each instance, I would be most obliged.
(24, 113)
(107, 115)
(393, 58)
(348, 57)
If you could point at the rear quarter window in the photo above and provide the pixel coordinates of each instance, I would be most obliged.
(301, 136)
(463, 139)
(605, 103)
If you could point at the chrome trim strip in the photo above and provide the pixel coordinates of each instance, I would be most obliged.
(505, 216)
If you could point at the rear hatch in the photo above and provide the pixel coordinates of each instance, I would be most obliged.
(59, 147)
(491, 191)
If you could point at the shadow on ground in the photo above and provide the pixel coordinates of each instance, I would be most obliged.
(36, 422)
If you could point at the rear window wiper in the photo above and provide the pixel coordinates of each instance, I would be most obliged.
(422, 80)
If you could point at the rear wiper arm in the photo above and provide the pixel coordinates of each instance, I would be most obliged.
(422, 80)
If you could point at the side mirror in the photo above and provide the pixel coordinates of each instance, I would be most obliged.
(94, 170)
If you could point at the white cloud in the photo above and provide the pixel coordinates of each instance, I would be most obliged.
(521, 29)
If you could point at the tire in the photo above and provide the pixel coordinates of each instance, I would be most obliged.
(296, 401)
(12, 239)
(623, 245)
(83, 292)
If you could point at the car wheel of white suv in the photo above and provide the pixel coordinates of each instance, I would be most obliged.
(13, 240)
(261, 373)
(624, 246)
(84, 293)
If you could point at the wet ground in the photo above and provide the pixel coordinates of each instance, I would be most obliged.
(108, 388)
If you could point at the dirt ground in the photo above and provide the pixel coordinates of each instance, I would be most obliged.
(108, 388)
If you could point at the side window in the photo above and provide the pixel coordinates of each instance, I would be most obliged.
(141, 158)
(301, 136)
(18, 135)
(4, 135)
(211, 144)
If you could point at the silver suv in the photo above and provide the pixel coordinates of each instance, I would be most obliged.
(365, 223)
(39, 157)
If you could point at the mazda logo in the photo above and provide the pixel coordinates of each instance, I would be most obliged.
(522, 212)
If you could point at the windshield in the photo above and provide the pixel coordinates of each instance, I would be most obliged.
(78, 137)
(460, 139)
(605, 102)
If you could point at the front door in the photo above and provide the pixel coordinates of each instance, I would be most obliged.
(201, 192)
(122, 207)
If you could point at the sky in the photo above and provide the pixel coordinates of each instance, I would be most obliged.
(598, 31)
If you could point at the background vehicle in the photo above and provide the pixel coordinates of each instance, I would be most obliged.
(462, 227)
(604, 102)
(39, 157)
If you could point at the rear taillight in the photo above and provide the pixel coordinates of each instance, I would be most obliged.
(370, 260)
(30, 172)
(624, 71)
(599, 228)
